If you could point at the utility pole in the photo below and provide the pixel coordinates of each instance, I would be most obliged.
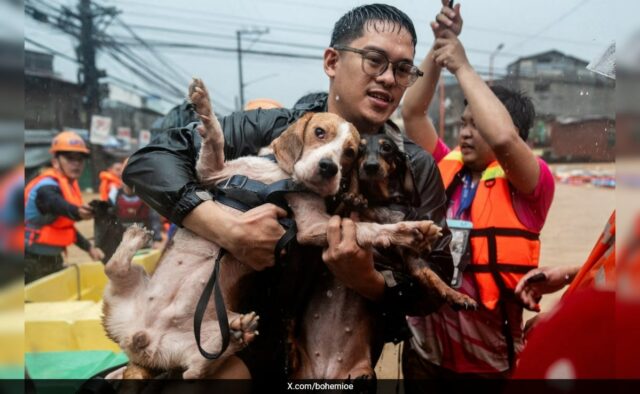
(91, 16)
(89, 73)
(239, 34)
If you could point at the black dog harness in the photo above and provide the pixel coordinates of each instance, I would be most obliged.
(243, 194)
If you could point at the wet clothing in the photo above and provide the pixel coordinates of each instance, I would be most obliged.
(478, 342)
(51, 208)
(163, 174)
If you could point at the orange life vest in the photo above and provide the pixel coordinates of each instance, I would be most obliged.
(502, 248)
(61, 232)
(600, 268)
(107, 179)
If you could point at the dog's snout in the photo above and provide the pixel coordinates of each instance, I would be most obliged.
(328, 168)
(371, 167)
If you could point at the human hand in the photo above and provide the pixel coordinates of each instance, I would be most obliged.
(85, 212)
(449, 53)
(347, 261)
(543, 280)
(96, 253)
(447, 19)
(253, 236)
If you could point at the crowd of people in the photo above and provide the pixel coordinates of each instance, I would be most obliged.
(490, 194)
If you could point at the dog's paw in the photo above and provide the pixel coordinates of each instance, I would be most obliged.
(199, 97)
(244, 328)
(461, 302)
(137, 236)
(354, 201)
(418, 235)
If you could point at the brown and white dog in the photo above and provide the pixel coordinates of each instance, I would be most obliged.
(152, 318)
(355, 340)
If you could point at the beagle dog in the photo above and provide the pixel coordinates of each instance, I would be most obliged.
(152, 318)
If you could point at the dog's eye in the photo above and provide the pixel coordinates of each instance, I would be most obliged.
(350, 153)
(385, 148)
(320, 133)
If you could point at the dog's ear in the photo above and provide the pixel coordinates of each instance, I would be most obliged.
(288, 146)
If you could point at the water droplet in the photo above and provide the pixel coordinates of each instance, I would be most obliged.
(339, 359)
(316, 316)
(347, 330)
(317, 354)
(329, 293)
(581, 93)
(337, 98)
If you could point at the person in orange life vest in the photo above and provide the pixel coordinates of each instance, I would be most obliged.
(498, 194)
(110, 179)
(53, 203)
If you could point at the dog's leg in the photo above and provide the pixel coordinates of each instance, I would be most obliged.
(122, 274)
(432, 283)
(211, 157)
(243, 330)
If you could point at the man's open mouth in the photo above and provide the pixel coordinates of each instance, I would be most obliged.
(382, 96)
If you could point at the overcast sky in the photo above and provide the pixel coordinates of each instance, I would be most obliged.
(580, 28)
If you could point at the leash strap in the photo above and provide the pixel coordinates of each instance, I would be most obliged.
(213, 285)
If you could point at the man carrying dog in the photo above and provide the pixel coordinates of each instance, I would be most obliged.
(369, 64)
(499, 194)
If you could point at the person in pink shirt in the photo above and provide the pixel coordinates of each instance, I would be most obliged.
(491, 150)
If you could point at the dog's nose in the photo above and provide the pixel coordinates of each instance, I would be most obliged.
(371, 168)
(328, 168)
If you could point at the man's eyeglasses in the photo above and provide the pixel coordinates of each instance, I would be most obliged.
(375, 63)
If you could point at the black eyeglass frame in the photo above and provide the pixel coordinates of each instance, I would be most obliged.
(362, 52)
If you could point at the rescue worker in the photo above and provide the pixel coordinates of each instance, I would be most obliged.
(110, 180)
(498, 196)
(53, 203)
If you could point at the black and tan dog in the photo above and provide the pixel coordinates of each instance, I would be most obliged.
(388, 186)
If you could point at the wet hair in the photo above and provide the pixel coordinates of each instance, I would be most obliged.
(520, 108)
(352, 24)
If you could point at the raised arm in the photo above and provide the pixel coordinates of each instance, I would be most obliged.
(490, 116)
(417, 124)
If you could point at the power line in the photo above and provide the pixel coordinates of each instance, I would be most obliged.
(181, 45)
(157, 55)
(555, 21)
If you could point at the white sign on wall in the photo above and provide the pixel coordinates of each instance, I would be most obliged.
(100, 129)
(144, 138)
(124, 134)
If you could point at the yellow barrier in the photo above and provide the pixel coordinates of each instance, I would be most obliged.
(65, 326)
(63, 310)
(80, 282)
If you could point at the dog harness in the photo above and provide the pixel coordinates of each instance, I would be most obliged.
(243, 194)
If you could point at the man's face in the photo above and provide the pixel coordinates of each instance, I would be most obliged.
(476, 153)
(364, 100)
(71, 164)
